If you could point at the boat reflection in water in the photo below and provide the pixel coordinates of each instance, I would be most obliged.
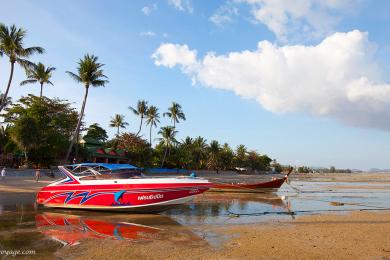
(70, 230)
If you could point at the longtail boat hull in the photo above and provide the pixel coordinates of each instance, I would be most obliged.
(253, 187)
(267, 186)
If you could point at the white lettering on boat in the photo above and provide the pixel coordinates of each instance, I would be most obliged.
(151, 197)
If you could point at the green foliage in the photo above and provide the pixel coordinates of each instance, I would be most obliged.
(138, 149)
(26, 134)
(141, 110)
(52, 121)
(96, 132)
(175, 113)
(12, 45)
(118, 121)
(38, 73)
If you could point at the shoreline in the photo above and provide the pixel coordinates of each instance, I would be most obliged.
(341, 235)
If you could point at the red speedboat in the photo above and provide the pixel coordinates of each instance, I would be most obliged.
(88, 186)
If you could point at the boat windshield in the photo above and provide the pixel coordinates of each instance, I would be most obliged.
(100, 172)
(81, 171)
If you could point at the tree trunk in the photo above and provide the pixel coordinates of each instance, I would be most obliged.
(26, 157)
(165, 156)
(140, 126)
(41, 90)
(117, 132)
(76, 132)
(2, 104)
(150, 135)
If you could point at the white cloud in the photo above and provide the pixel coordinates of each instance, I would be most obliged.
(338, 78)
(170, 55)
(148, 9)
(224, 14)
(148, 34)
(182, 5)
(291, 19)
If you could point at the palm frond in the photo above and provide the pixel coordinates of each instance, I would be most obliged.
(75, 77)
(32, 50)
(28, 81)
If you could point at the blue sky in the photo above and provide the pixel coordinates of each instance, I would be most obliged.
(315, 92)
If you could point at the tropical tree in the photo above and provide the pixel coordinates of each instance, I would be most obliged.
(96, 132)
(175, 113)
(199, 151)
(141, 111)
(168, 134)
(5, 101)
(118, 121)
(89, 73)
(55, 120)
(11, 45)
(241, 155)
(137, 148)
(152, 118)
(38, 73)
(226, 156)
(214, 153)
(25, 133)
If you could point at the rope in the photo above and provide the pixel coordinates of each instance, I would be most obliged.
(301, 211)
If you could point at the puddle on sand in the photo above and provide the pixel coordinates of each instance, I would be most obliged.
(24, 227)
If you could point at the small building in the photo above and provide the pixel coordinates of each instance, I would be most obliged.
(95, 152)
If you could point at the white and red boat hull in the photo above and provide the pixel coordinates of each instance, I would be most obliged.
(134, 195)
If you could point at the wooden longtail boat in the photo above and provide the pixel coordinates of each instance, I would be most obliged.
(250, 187)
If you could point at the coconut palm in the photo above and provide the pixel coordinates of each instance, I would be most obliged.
(168, 134)
(214, 151)
(152, 118)
(38, 73)
(89, 73)
(141, 111)
(11, 45)
(118, 121)
(7, 101)
(200, 150)
(175, 113)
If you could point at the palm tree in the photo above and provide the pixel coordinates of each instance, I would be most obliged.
(7, 101)
(152, 118)
(200, 149)
(38, 73)
(214, 152)
(141, 111)
(11, 44)
(89, 73)
(168, 134)
(175, 112)
(118, 121)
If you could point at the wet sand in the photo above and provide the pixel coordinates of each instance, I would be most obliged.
(205, 230)
(352, 236)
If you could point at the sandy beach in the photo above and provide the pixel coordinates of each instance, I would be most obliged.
(205, 230)
(352, 236)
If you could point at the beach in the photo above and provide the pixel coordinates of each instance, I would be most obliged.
(332, 217)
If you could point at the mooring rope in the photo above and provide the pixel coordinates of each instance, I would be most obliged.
(301, 211)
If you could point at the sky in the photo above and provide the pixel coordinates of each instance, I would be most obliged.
(306, 82)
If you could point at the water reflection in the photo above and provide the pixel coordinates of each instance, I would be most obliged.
(70, 230)
(217, 208)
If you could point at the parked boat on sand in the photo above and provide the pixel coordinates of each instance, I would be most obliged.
(87, 186)
(265, 186)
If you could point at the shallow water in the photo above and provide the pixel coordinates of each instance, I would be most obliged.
(22, 226)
